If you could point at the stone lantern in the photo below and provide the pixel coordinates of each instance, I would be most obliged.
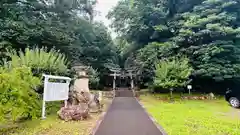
(81, 100)
(82, 80)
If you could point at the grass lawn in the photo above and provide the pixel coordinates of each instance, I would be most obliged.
(52, 125)
(190, 117)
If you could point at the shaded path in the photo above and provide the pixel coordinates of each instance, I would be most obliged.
(127, 117)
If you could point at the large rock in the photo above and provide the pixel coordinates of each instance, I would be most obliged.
(92, 100)
(74, 112)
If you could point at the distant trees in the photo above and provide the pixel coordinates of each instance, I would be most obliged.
(57, 24)
(206, 31)
(65, 25)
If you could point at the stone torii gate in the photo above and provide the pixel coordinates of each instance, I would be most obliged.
(116, 73)
(130, 73)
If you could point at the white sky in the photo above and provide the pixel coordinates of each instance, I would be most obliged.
(103, 7)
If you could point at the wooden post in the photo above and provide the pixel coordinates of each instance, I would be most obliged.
(44, 97)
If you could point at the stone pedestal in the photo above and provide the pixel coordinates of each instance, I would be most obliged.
(81, 87)
(81, 84)
(82, 81)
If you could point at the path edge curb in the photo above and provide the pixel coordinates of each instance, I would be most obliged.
(100, 119)
(160, 128)
(98, 122)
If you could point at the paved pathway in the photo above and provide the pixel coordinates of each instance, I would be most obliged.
(127, 117)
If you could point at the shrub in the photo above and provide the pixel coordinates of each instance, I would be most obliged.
(93, 78)
(17, 96)
(172, 73)
(40, 61)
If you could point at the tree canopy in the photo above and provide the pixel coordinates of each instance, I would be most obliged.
(206, 31)
(47, 36)
(64, 25)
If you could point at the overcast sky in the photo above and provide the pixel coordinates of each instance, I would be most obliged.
(104, 6)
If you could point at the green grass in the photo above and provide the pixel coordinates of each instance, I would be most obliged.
(190, 117)
(52, 125)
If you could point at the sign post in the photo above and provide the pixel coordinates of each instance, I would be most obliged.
(55, 91)
(189, 89)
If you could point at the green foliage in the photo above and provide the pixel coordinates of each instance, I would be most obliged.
(5, 47)
(121, 45)
(40, 61)
(96, 49)
(209, 36)
(149, 55)
(93, 78)
(67, 26)
(32, 28)
(17, 96)
(206, 31)
(172, 73)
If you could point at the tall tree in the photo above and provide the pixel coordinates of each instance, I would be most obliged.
(209, 34)
(60, 24)
(207, 31)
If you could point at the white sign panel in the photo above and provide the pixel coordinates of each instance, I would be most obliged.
(56, 91)
(189, 86)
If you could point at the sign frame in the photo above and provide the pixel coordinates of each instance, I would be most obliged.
(46, 83)
(189, 87)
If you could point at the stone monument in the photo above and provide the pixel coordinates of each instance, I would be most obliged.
(81, 101)
(81, 88)
(81, 84)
